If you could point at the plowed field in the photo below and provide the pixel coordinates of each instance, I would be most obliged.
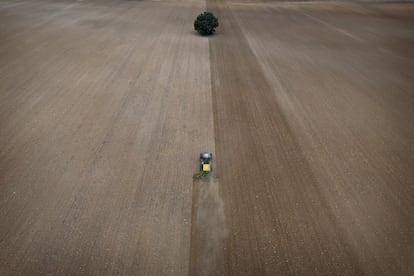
(308, 108)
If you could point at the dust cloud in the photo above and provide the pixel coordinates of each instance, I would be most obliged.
(209, 228)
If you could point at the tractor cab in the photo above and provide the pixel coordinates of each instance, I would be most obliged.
(205, 161)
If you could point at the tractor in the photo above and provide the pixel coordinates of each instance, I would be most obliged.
(205, 162)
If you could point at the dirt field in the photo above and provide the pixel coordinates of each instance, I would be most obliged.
(307, 107)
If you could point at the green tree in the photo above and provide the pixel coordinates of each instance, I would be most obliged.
(206, 23)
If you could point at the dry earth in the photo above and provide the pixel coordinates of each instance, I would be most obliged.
(308, 108)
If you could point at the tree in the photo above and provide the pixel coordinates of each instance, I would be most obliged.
(206, 23)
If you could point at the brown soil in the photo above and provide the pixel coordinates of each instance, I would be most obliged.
(307, 107)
